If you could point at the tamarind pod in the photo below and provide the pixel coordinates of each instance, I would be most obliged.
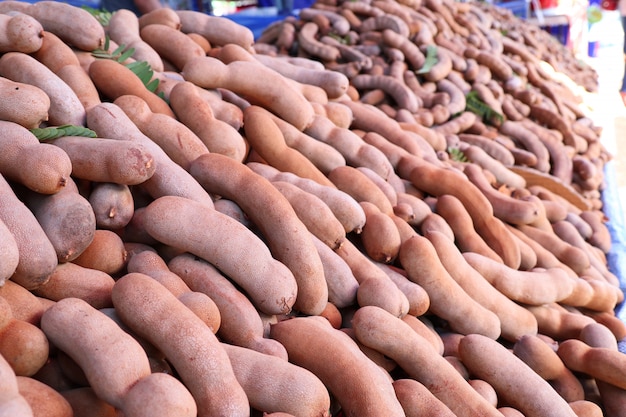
(299, 392)
(434, 138)
(72, 280)
(163, 16)
(314, 213)
(528, 254)
(103, 71)
(355, 151)
(84, 402)
(13, 403)
(371, 392)
(211, 380)
(124, 29)
(457, 96)
(539, 356)
(171, 44)
(583, 228)
(479, 354)
(109, 120)
(232, 209)
(355, 183)
(377, 329)
(159, 127)
(608, 364)
(559, 323)
(419, 259)
(24, 104)
(417, 400)
(153, 265)
(529, 141)
(107, 160)
(510, 110)
(435, 222)
(414, 56)
(576, 258)
(561, 163)
(569, 234)
(278, 297)
(112, 204)
(385, 185)
(419, 302)
(20, 33)
(600, 237)
(282, 99)
(88, 37)
(65, 107)
(375, 287)
(25, 306)
(380, 237)
(479, 156)
(345, 208)
(266, 138)
(307, 41)
(401, 94)
(240, 323)
(545, 258)
(105, 253)
(218, 30)
(324, 156)
(419, 208)
(334, 84)
(438, 181)
(506, 208)
(515, 320)
(79, 81)
(457, 125)
(279, 223)
(36, 256)
(66, 217)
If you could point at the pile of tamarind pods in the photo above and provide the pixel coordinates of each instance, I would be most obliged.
(378, 208)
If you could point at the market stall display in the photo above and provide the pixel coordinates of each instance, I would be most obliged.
(370, 209)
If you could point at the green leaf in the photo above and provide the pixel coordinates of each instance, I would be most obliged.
(101, 15)
(431, 60)
(480, 108)
(53, 132)
(457, 155)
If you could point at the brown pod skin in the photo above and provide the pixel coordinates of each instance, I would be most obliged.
(112, 205)
(24, 304)
(124, 29)
(22, 344)
(542, 358)
(600, 236)
(105, 253)
(178, 141)
(418, 401)
(171, 44)
(271, 212)
(65, 106)
(269, 284)
(555, 321)
(448, 300)
(155, 314)
(419, 302)
(196, 113)
(12, 403)
(20, 33)
(85, 403)
(380, 237)
(37, 256)
(218, 30)
(50, 168)
(379, 330)
(9, 253)
(72, 280)
(66, 217)
(369, 394)
(355, 183)
(276, 385)
(512, 379)
(24, 104)
(43, 400)
(240, 323)
(604, 364)
(515, 320)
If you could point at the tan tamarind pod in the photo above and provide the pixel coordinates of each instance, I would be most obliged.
(85, 402)
(252, 80)
(72, 280)
(24, 104)
(417, 400)
(171, 44)
(23, 345)
(345, 208)
(480, 354)
(157, 315)
(419, 259)
(373, 394)
(65, 106)
(12, 403)
(314, 213)
(271, 212)
(105, 253)
(218, 136)
(273, 384)
(112, 205)
(515, 320)
(178, 140)
(601, 363)
(240, 322)
(381, 331)
(50, 167)
(24, 304)
(43, 400)
(355, 183)
(266, 138)
(419, 302)
(167, 215)
(66, 217)
(380, 237)
(9, 252)
(124, 29)
(435, 222)
(546, 363)
(600, 236)
(20, 33)
(218, 30)
(557, 322)
(36, 255)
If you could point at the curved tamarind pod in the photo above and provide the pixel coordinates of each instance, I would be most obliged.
(24, 104)
(218, 30)
(355, 183)
(601, 363)
(124, 29)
